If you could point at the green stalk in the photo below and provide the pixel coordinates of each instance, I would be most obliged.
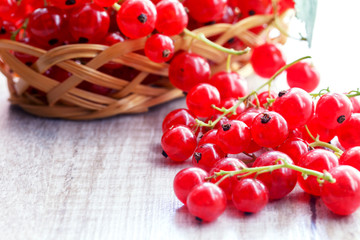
(202, 37)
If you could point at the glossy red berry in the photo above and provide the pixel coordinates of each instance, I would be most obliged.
(136, 18)
(209, 137)
(178, 143)
(333, 109)
(343, 196)
(6, 29)
(171, 17)
(227, 164)
(355, 104)
(303, 75)
(351, 157)
(295, 105)
(250, 195)
(254, 7)
(179, 116)
(67, 4)
(205, 11)
(7, 8)
(319, 160)
(247, 117)
(234, 137)
(348, 133)
(266, 60)
(46, 26)
(201, 98)
(105, 3)
(229, 84)
(159, 48)
(187, 70)
(279, 182)
(263, 99)
(207, 155)
(294, 147)
(186, 180)
(269, 129)
(89, 23)
(206, 202)
(317, 129)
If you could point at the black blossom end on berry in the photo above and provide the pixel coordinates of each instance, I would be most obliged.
(166, 53)
(53, 41)
(70, 2)
(28, 64)
(226, 126)
(199, 219)
(251, 12)
(83, 40)
(282, 93)
(197, 156)
(164, 154)
(231, 40)
(341, 119)
(142, 18)
(265, 118)
(2, 30)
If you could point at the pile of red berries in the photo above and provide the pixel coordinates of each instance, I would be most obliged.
(285, 138)
(52, 23)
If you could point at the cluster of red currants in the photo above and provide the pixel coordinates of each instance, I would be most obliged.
(286, 137)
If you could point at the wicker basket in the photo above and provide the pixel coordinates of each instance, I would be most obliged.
(65, 100)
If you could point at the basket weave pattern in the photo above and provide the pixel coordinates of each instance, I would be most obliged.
(65, 100)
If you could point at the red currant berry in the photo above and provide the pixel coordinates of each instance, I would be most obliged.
(105, 3)
(7, 7)
(317, 129)
(250, 195)
(229, 84)
(186, 180)
(250, 8)
(234, 137)
(66, 4)
(269, 129)
(179, 116)
(348, 133)
(89, 23)
(303, 75)
(206, 201)
(201, 98)
(159, 48)
(209, 137)
(171, 17)
(6, 29)
(319, 160)
(46, 26)
(227, 164)
(205, 11)
(351, 157)
(263, 99)
(294, 147)
(207, 155)
(340, 106)
(247, 117)
(187, 70)
(279, 182)
(343, 196)
(266, 60)
(178, 143)
(295, 105)
(136, 18)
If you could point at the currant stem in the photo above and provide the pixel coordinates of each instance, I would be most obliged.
(319, 143)
(228, 63)
(116, 6)
(308, 131)
(259, 170)
(202, 37)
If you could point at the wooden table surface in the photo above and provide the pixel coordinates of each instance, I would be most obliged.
(107, 179)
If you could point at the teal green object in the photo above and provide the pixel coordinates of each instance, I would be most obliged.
(306, 12)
